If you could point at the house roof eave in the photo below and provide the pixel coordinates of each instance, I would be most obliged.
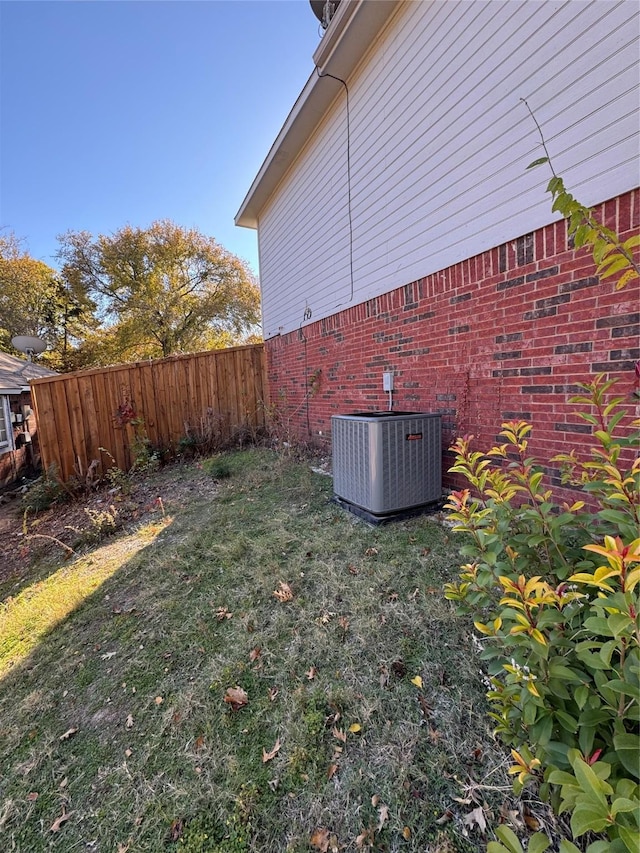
(352, 30)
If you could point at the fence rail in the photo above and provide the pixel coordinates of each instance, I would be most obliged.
(80, 415)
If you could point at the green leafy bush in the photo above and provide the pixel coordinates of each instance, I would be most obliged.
(217, 467)
(49, 490)
(554, 593)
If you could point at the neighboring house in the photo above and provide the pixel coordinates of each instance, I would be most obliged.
(399, 229)
(18, 443)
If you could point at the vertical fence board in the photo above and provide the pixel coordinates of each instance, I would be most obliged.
(105, 435)
(43, 408)
(90, 419)
(62, 431)
(224, 397)
(76, 425)
(145, 399)
(118, 390)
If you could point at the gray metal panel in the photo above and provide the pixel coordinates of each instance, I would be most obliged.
(387, 462)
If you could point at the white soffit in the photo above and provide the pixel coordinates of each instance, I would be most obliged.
(350, 33)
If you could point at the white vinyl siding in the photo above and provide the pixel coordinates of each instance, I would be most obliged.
(6, 430)
(440, 141)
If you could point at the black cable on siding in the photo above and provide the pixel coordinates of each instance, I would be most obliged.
(346, 88)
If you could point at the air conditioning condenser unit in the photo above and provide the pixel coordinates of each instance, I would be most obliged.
(385, 463)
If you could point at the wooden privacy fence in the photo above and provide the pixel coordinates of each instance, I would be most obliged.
(82, 415)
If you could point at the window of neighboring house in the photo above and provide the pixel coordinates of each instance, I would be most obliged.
(6, 428)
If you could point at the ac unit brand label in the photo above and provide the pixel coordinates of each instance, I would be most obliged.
(414, 436)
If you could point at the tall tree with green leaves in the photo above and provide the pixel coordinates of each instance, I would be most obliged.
(36, 300)
(164, 289)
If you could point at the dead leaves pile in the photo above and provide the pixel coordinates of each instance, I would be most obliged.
(323, 839)
(327, 842)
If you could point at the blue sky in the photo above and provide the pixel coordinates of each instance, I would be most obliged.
(128, 111)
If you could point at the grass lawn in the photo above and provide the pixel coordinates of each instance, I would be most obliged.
(358, 722)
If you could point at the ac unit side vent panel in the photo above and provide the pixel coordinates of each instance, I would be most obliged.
(386, 463)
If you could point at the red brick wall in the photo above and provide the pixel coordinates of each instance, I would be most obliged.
(25, 459)
(503, 335)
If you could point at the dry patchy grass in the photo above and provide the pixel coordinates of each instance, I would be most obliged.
(139, 662)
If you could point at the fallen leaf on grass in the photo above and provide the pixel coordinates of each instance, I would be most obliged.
(331, 772)
(128, 753)
(354, 728)
(353, 570)
(532, 822)
(273, 692)
(333, 718)
(283, 593)
(476, 818)
(236, 697)
(159, 700)
(64, 817)
(417, 680)
(199, 742)
(320, 840)
(424, 706)
(32, 796)
(267, 756)
(123, 848)
(108, 655)
(406, 833)
(175, 830)
(445, 818)
(365, 837)
(311, 673)
(254, 654)
(344, 623)
(129, 722)
(69, 733)
(511, 816)
(434, 735)
(339, 734)
(222, 613)
(383, 812)
(371, 552)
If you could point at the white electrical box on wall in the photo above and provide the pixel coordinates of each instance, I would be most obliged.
(387, 381)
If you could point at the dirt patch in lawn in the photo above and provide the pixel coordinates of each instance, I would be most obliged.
(38, 539)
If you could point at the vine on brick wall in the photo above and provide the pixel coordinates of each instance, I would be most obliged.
(610, 254)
